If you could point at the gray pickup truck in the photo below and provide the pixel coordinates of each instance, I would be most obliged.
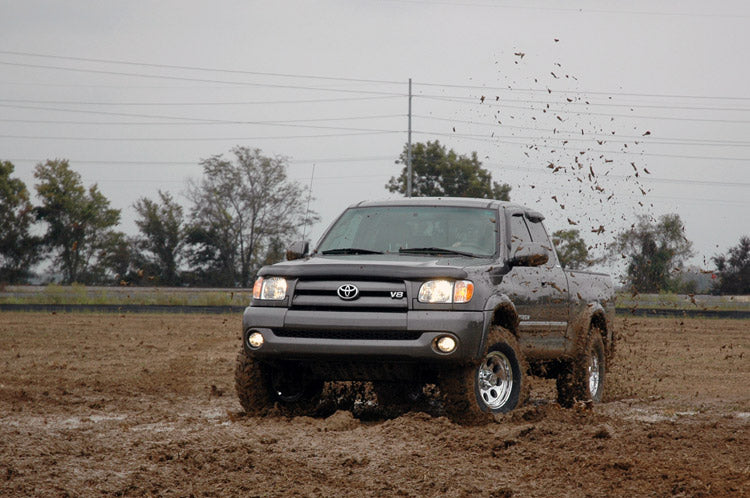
(465, 294)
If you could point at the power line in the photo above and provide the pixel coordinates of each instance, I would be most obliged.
(577, 134)
(191, 103)
(184, 78)
(264, 123)
(203, 120)
(492, 140)
(190, 120)
(571, 102)
(471, 100)
(195, 139)
(581, 113)
(356, 132)
(108, 113)
(581, 92)
(364, 80)
(200, 121)
(149, 123)
(114, 86)
(453, 98)
(642, 179)
(200, 68)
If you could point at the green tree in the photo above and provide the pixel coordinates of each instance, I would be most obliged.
(212, 254)
(654, 250)
(79, 221)
(113, 262)
(440, 173)
(162, 238)
(19, 250)
(733, 269)
(572, 250)
(239, 208)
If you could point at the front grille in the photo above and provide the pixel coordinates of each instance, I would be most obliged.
(368, 335)
(373, 295)
(350, 309)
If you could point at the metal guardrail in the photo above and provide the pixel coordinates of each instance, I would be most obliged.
(121, 308)
(689, 313)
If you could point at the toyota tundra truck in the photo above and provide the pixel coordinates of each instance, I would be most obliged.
(464, 294)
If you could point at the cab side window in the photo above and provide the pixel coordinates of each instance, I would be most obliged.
(519, 233)
(539, 235)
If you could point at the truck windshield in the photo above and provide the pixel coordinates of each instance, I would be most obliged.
(413, 229)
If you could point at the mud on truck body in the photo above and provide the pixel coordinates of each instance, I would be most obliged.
(466, 294)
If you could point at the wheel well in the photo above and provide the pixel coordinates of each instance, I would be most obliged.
(505, 316)
(600, 322)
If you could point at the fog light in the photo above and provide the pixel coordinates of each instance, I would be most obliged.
(255, 340)
(446, 344)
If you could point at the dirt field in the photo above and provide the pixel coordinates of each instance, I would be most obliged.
(145, 405)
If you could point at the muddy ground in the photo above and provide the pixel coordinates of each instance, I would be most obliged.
(145, 405)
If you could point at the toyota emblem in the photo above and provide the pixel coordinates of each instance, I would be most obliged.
(347, 292)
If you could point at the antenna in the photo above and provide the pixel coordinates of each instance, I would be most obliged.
(309, 196)
(408, 150)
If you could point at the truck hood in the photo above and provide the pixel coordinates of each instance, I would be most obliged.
(375, 266)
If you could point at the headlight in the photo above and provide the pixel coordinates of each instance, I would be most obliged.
(272, 288)
(446, 291)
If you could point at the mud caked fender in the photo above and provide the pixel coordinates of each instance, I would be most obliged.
(498, 303)
(592, 314)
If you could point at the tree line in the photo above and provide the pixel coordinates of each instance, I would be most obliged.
(244, 210)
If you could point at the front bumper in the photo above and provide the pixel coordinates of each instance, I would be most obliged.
(370, 336)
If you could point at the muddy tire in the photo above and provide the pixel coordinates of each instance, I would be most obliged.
(261, 387)
(582, 378)
(496, 383)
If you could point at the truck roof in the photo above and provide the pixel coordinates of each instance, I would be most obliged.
(450, 201)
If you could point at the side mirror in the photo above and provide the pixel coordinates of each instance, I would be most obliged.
(297, 250)
(530, 254)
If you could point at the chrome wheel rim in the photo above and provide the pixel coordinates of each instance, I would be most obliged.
(495, 380)
(593, 369)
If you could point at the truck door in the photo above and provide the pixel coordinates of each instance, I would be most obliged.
(539, 293)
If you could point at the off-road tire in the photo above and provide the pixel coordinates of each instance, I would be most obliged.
(255, 383)
(575, 379)
(464, 393)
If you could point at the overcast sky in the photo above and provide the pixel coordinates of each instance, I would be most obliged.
(135, 93)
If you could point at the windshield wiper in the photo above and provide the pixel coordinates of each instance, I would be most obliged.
(436, 250)
(351, 250)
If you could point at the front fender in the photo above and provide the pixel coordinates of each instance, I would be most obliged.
(498, 310)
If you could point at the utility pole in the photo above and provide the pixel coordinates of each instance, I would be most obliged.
(408, 150)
